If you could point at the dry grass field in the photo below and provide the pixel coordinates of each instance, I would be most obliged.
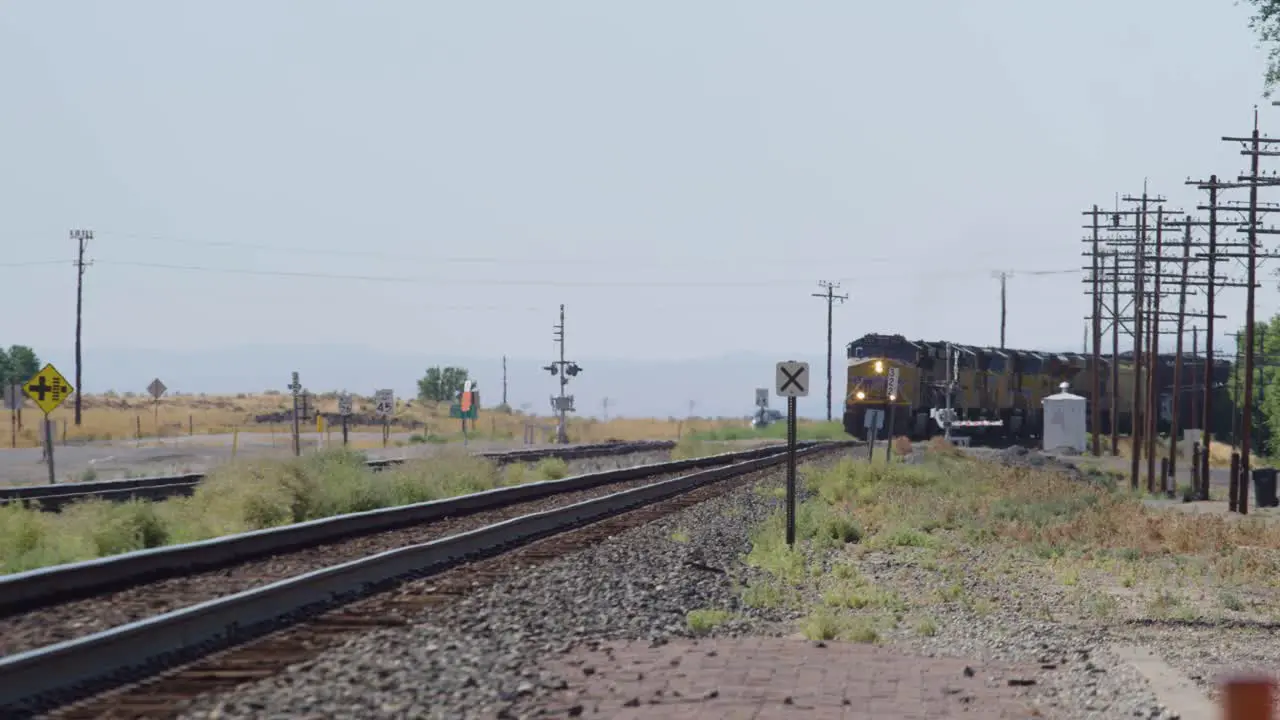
(110, 417)
(974, 536)
(1219, 453)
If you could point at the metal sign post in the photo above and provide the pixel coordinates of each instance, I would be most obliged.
(384, 405)
(156, 389)
(344, 409)
(13, 403)
(49, 390)
(296, 387)
(873, 420)
(791, 380)
(891, 387)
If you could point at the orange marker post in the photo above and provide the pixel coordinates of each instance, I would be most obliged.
(1247, 697)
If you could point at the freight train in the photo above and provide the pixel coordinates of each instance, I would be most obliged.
(996, 399)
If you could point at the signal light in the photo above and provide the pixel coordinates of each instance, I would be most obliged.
(573, 369)
(550, 368)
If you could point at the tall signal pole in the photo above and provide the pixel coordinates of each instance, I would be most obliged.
(565, 369)
(561, 431)
(831, 297)
(82, 238)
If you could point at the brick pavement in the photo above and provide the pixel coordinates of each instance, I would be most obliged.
(766, 678)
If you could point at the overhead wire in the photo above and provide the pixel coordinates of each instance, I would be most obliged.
(542, 258)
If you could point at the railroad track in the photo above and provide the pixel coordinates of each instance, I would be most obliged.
(54, 497)
(201, 610)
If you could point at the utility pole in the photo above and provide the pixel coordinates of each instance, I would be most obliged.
(1174, 425)
(1153, 359)
(82, 238)
(831, 297)
(1003, 276)
(1253, 149)
(504, 382)
(1115, 354)
(606, 409)
(565, 369)
(1095, 392)
(1140, 239)
(1195, 384)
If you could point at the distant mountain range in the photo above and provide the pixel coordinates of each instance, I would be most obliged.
(717, 386)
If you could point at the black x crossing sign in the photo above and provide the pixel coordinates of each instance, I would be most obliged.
(792, 379)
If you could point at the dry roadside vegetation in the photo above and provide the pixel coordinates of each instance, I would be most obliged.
(889, 550)
(114, 417)
(1219, 453)
(245, 496)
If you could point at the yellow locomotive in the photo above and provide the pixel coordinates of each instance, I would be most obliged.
(901, 388)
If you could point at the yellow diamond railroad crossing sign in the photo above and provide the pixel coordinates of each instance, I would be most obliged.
(48, 388)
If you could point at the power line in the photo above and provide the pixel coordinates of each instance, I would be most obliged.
(469, 281)
(33, 263)
(540, 259)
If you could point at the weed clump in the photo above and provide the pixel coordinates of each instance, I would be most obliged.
(242, 497)
(704, 621)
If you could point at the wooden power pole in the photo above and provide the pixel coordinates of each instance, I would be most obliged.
(831, 298)
(82, 238)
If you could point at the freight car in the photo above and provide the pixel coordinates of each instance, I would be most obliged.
(996, 399)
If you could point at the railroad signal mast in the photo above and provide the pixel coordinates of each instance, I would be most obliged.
(566, 369)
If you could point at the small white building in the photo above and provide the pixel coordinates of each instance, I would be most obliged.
(1064, 421)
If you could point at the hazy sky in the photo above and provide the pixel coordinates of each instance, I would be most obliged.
(679, 174)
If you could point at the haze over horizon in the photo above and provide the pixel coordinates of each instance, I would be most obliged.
(407, 181)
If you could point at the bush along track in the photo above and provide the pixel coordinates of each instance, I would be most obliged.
(248, 496)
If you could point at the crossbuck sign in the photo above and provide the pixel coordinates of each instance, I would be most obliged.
(792, 379)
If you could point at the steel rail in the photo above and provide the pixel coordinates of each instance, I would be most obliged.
(45, 585)
(160, 641)
(54, 497)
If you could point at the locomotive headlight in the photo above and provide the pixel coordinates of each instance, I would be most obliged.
(892, 398)
(861, 395)
(879, 366)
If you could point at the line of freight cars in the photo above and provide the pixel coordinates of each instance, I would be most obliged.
(998, 393)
